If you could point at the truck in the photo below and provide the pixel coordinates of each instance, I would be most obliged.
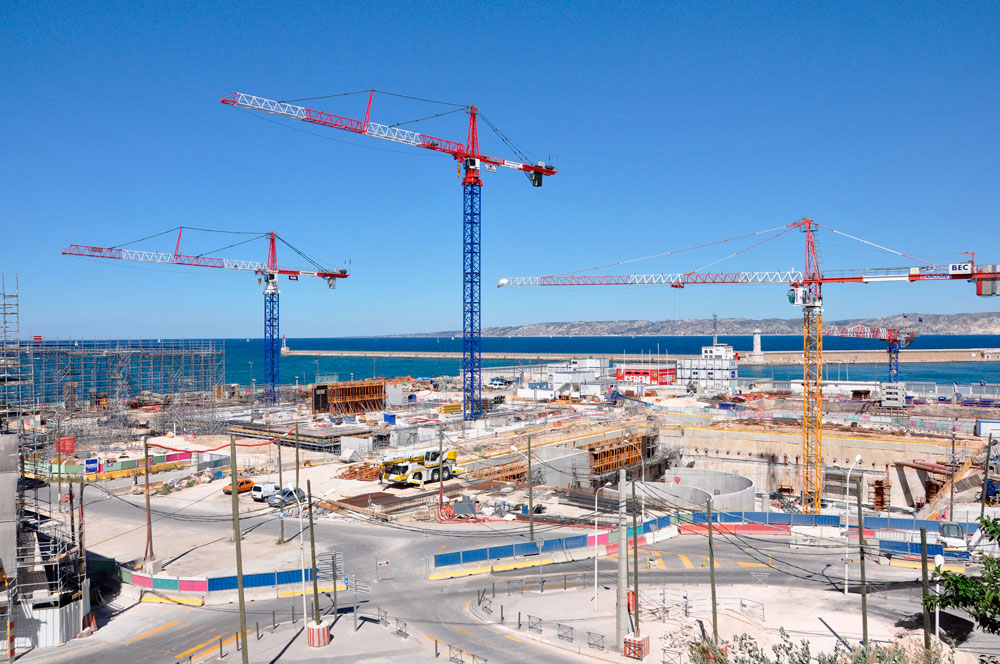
(416, 467)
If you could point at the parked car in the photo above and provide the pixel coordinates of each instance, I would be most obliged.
(242, 486)
(263, 491)
(287, 497)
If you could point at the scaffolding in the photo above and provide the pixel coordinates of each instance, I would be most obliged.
(514, 471)
(607, 456)
(354, 397)
(74, 375)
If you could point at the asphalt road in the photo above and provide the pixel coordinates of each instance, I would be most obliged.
(431, 610)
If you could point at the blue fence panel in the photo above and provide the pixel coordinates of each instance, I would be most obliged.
(755, 517)
(827, 520)
(890, 546)
(526, 549)
(731, 517)
(576, 542)
(649, 527)
(445, 559)
(258, 580)
(876, 522)
(663, 522)
(552, 545)
(497, 552)
(780, 519)
(474, 555)
(291, 576)
(902, 524)
(222, 583)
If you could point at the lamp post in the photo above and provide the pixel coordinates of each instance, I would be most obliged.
(317, 371)
(938, 562)
(302, 553)
(596, 493)
(253, 391)
(847, 519)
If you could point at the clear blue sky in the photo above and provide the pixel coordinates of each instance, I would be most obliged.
(672, 124)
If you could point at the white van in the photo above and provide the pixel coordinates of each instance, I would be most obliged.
(263, 491)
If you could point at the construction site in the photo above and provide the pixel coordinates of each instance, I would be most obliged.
(189, 498)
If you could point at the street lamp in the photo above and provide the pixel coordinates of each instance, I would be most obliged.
(595, 540)
(253, 392)
(847, 517)
(938, 562)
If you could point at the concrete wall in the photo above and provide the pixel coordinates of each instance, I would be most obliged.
(691, 487)
(560, 467)
(772, 458)
(8, 503)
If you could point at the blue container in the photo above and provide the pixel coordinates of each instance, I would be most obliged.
(541, 385)
(389, 417)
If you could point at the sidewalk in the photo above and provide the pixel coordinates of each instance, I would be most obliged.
(567, 619)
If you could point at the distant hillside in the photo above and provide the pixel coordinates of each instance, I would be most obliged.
(981, 323)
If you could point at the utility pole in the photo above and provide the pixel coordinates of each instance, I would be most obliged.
(635, 561)
(951, 498)
(621, 610)
(531, 498)
(281, 485)
(239, 553)
(711, 573)
(312, 545)
(924, 594)
(986, 477)
(83, 549)
(297, 485)
(149, 522)
(864, 583)
(440, 477)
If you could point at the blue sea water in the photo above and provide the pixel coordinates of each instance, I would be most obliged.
(240, 353)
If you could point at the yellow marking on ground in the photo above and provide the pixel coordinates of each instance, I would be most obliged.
(442, 547)
(512, 638)
(916, 565)
(185, 601)
(459, 629)
(152, 632)
(191, 631)
(746, 564)
(685, 561)
(459, 572)
(431, 637)
(659, 561)
(214, 645)
(213, 640)
(298, 593)
(487, 641)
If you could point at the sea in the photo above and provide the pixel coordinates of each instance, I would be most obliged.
(240, 353)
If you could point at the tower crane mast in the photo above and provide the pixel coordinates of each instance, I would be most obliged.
(471, 162)
(267, 272)
(806, 292)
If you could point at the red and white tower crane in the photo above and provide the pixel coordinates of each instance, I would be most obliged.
(267, 272)
(896, 338)
(471, 161)
(806, 292)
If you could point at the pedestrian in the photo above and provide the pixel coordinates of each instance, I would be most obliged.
(135, 480)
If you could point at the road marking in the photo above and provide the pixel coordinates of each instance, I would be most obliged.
(431, 637)
(152, 632)
(512, 638)
(685, 560)
(212, 640)
(488, 642)
(213, 646)
(916, 565)
(459, 629)
(442, 547)
(192, 631)
(746, 564)
(659, 561)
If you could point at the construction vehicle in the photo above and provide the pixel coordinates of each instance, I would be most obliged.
(415, 467)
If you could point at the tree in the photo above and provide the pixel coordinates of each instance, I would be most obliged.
(979, 596)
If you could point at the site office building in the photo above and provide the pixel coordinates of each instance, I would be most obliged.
(646, 374)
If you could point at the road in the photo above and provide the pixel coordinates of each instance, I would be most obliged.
(431, 610)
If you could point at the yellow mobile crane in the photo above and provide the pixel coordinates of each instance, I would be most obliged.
(415, 467)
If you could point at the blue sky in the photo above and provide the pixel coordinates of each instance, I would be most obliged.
(672, 124)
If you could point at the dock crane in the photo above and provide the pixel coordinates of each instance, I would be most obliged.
(470, 161)
(267, 272)
(896, 339)
(806, 292)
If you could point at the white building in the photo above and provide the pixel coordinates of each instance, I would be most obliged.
(715, 371)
